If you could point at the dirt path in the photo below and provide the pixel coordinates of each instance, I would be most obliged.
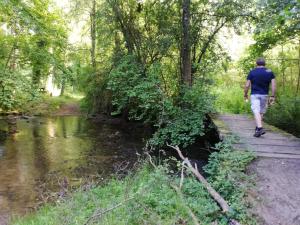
(276, 197)
(69, 109)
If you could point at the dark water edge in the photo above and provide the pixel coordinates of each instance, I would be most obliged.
(49, 155)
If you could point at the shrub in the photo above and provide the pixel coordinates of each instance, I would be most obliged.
(139, 93)
(15, 91)
(181, 124)
(285, 114)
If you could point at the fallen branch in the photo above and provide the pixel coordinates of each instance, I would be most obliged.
(178, 189)
(214, 194)
(182, 176)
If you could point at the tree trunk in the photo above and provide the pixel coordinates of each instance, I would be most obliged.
(93, 34)
(63, 85)
(13, 56)
(38, 63)
(186, 75)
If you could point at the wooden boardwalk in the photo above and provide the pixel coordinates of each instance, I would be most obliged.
(275, 199)
(275, 143)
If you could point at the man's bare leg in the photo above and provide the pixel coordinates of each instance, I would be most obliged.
(262, 118)
(258, 120)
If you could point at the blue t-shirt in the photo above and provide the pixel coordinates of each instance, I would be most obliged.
(260, 80)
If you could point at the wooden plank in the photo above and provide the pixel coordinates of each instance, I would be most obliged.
(281, 156)
(270, 149)
(275, 143)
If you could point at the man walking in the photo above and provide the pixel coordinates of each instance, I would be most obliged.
(259, 79)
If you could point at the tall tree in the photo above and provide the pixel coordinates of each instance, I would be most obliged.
(93, 34)
(186, 47)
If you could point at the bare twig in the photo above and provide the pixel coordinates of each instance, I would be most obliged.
(150, 159)
(99, 214)
(182, 176)
(215, 195)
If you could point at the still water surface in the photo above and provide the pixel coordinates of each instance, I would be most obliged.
(46, 151)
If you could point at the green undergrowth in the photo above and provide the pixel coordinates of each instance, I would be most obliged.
(148, 196)
(285, 114)
(231, 100)
(46, 105)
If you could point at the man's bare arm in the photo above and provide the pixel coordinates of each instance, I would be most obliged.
(273, 84)
(246, 88)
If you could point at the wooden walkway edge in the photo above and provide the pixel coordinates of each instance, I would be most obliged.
(275, 143)
(275, 198)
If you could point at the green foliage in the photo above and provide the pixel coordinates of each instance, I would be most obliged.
(33, 43)
(45, 105)
(181, 123)
(134, 91)
(285, 114)
(155, 201)
(226, 174)
(139, 94)
(277, 23)
(229, 92)
(15, 90)
(231, 100)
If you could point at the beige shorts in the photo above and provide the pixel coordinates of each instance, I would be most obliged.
(259, 103)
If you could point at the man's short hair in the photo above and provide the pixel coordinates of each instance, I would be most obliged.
(260, 62)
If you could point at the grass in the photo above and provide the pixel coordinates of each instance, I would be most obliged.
(231, 100)
(147, 197)
(285, 114)
(46, 105)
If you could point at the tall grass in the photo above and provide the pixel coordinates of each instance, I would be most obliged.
(230, 99)
(285, 114)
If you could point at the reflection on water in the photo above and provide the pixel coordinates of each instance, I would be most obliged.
(70, 147)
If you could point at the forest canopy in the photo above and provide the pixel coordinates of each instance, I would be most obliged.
(152, 61)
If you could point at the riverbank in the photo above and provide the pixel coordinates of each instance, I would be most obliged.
(50, 156)
(147, 195)
(46, 105)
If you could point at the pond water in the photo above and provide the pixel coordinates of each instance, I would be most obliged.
(48, 154)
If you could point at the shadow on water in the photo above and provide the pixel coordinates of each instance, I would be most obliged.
(44, 151)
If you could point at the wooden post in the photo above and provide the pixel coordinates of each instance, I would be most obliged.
(298, 82)
(282, 68)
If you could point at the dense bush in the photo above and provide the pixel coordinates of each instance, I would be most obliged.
(182, 123)
(179, 120)
(134, 91)
(285, 114)
(15, 91)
